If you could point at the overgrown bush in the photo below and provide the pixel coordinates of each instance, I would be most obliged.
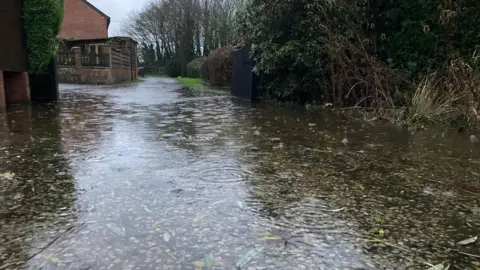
(449, 95)
(173, 68)
(217, 68)
(354, 52)
(42, 20)
(194, 67)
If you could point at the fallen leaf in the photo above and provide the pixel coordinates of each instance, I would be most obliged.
(337, 210)
(381, 233)
(198, 265)
(362, 188)
(468, 241)
(437, 267)
(311, 124)
(245, 259)
(52, 259)
(272, 238)
(172, 255)
(166, 236)
(209, 261)
(7, 175)
(146, 209)
(378, 220)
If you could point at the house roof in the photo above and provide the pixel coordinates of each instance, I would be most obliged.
(98, 11)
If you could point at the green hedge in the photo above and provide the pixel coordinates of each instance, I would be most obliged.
(42, 22)
(194, 67)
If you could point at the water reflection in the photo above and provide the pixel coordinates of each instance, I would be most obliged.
(37, 191)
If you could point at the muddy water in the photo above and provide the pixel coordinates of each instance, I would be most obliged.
(153, 177)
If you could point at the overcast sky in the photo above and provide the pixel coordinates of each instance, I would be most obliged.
(118, 11)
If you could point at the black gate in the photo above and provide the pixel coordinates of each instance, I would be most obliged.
(243, 83)
(44, 85)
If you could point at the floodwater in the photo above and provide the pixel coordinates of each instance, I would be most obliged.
(150, 176)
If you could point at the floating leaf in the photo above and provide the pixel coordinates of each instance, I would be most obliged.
(52, 259)
(311, 124)
(198, 265)
(362, 188)
(146, 209)
(272, 238)
(378, 220)
(337, 210)
(167, 236)
(437, 267)
(468, 241)
(307, 241)
(7, 175)
(209, 261)
(240, 204)
(243, 262)
(172, 255)
(381, 233)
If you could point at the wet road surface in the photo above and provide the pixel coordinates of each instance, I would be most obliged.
(150, 176)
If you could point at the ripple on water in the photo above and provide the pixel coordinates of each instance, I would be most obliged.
(224, 175)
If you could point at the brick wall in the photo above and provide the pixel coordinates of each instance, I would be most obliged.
(81, 75)
(16, 85)
(81, 21)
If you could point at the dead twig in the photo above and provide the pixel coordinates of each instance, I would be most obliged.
(469, 254)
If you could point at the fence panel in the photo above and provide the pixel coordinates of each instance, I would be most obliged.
(66, 58)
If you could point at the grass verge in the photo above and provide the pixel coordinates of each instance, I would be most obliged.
(189, 82)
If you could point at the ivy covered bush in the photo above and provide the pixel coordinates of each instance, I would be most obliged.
(42, 22)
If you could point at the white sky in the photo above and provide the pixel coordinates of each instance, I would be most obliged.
(118, 11)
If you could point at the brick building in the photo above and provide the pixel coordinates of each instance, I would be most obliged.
(98, 61)
(89, 55)
(82, 20)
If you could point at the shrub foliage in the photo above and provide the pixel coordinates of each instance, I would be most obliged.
(354, 52)
(217, 68)
(194, 67)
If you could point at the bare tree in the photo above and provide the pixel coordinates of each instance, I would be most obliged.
(183, 29)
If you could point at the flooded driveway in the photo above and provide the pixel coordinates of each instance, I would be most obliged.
(150, 176)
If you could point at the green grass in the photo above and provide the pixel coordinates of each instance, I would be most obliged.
(189, 82)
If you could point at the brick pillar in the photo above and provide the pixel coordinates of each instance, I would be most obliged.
(2, 92)
(78, 56)
(17, 89)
